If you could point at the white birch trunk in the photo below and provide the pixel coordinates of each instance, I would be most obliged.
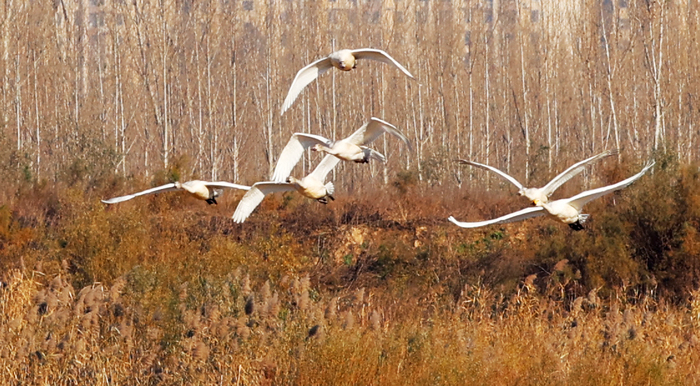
(610, 72)
(526, 122)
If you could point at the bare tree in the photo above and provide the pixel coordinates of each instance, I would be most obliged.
(653, 53)
(205, 80)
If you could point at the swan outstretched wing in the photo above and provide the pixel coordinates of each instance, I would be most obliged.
(575, 169)
(224, 184)
(523, 214)
(324, 167)
(292, 152)
(254, 197)
(163, 188)
(579, 200)
(372, 130)
(381, 56)
(491, 168)
(305, 76)
(375, 155)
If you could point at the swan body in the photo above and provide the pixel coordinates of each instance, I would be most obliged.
(202, 190)
(351, 148)
(311, 186)
(567, 210)
(351, 152)
(344, 60)
(542, 194)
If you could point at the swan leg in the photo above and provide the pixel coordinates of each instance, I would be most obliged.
(212, 201)
(577, 226)
(324, 200)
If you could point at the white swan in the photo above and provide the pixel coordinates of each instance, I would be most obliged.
(567, 210)
(311, 186)
(344, 60)
(542, 194)
(351, 148)
(203, 190)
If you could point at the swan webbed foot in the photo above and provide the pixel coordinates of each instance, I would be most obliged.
(324, 200)
(212, 201)
(577, 226)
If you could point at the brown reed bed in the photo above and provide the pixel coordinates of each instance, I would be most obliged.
(242, 331)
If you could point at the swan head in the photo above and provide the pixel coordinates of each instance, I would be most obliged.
(291, 180)
(316, 147)
(347, 62)
(343, 60)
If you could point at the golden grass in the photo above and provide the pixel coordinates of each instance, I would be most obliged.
(103, 335)
(170, 292)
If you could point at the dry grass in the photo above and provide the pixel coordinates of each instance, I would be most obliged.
(363, 291)
(239, 331)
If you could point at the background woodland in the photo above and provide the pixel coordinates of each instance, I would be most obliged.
(130, 87)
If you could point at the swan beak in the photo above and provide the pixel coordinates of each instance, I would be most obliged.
(536, 202)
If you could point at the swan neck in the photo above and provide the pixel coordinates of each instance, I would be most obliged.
(324, 149)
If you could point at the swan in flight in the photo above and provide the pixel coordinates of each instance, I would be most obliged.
(203, 190)
(344, 60)
(351, 148)
(311, 186)
(542, 194)
(567, 210)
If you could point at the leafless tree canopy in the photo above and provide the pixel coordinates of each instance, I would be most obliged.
(525, 86)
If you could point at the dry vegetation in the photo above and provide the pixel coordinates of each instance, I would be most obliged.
(99, 99)
(232, 329)
(362, 291)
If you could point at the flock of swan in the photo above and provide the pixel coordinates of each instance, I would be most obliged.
(355, 149)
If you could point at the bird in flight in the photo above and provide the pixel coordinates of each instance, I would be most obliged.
(542, 194)
(567, 210)
(344, 60)
(352, 148)
(203, 190)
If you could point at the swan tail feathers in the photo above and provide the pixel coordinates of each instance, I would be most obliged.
(330, 189)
